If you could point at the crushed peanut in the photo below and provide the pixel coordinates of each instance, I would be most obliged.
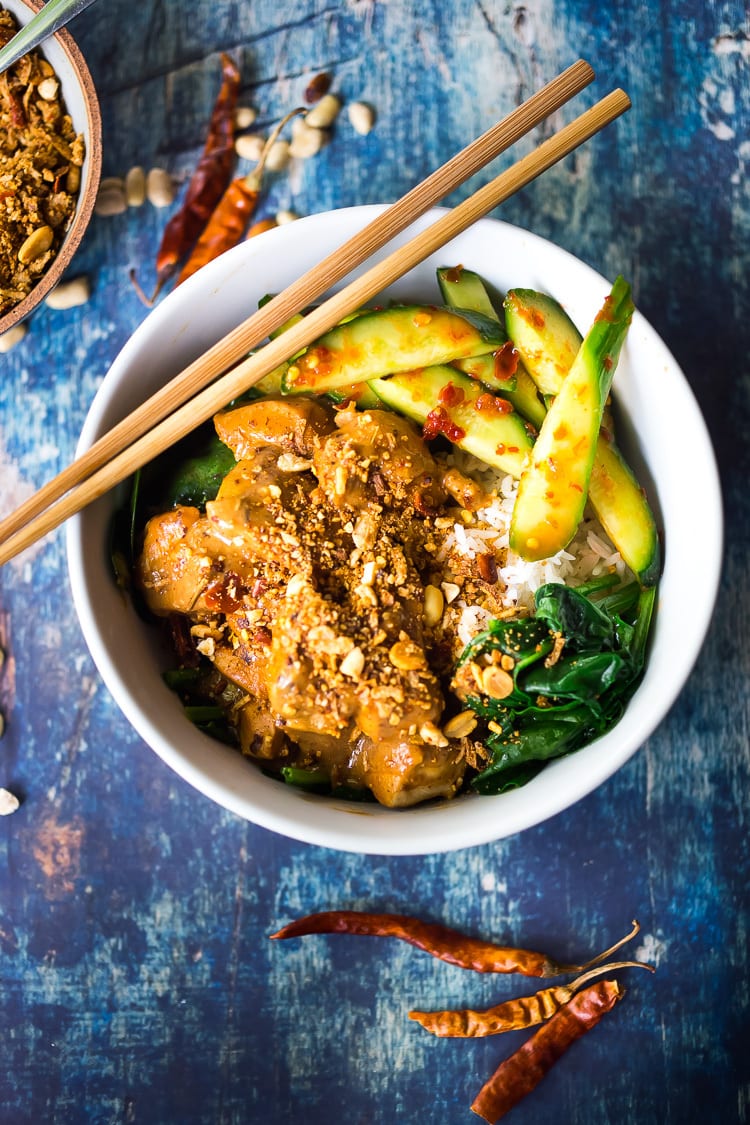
(496, 682)
(353, 663)
(39, 149)
(295, 584)
(461, 725)
(407, 656)
(431, 734)
(434, 603)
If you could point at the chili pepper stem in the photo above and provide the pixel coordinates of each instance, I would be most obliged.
(143, 297)
(610, 967)
(253, 179)
(636, 929)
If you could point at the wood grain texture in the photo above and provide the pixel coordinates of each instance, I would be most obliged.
(139, 984)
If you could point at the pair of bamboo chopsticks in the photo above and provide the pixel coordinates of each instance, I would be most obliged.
(193, 396)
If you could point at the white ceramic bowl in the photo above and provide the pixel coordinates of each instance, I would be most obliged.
(81, 101)
(672, 448)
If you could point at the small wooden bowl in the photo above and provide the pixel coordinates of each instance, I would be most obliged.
(82, 104)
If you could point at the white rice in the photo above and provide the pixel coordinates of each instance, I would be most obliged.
(589, 555)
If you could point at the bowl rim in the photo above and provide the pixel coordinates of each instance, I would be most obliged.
(436, 833)
(89, 182)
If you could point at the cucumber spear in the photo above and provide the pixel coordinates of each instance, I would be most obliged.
(553, 488)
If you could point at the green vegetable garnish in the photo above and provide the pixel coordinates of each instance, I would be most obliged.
(575, 665)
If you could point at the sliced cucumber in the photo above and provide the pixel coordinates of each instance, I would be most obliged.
(451, 404)
(389, 340)
(553, 488)
(270, 384)
(544, 334)
(361, 394)
(464, 289)
(525, 398)
(624, 513)
(493, 370)
(467, 287)
(548, 341)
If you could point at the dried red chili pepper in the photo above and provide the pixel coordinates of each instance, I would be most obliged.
(512, 1015)
(440, 941)
(207, 183)
(522, 1071)
(261, 226)
(228, 221)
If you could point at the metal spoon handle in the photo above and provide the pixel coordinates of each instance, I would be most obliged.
(54, 15)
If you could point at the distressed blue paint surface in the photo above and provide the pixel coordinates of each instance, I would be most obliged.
(138, 984)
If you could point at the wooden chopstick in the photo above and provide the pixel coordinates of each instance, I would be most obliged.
(306, 289)
(214, 397)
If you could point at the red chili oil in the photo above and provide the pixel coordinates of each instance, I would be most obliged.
(438, 421)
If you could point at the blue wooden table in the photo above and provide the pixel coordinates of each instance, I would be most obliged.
(138, 981)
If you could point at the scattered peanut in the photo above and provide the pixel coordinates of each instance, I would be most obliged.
(291, 463)
(307, 141)
(73, 179)
(340, 479)
(110, 199)
(159, 187)
(9, 802)
(295, 585)
(47, 89)
(406, 656)
(366, 594)
(249, 146)
(323, 115)
(475, 671)
(245, 116)
(353, 664)
(362, 117)
(135, 187)
(434, 603)
(433, 735)
(461, 725)
(278, 156)
(496, 682)
(451, 591)
(69, 294)
(38, 243)
(9, 339)
(369, 572)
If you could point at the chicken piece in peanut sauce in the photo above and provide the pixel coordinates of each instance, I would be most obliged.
(304, 583)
